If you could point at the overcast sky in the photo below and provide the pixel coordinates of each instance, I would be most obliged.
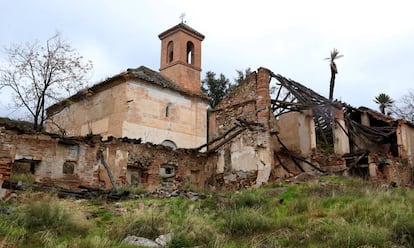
(291, 38)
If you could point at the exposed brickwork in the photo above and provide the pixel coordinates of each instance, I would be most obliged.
(263, 96)
(176, 65)
(247, 159)
(5, 162)
(50, 154)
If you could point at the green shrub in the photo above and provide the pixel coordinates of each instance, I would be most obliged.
(42, 216)
(245, 221)
(93, 242)
(10, 231)
(180, 240)
(133, 189)
(147, 223)
(297, 206)
(403, 230)
(198, 229)
(248, 199)
(26, 178)
(358, 235)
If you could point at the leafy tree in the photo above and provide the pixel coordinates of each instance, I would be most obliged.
(39, 74)
(215, 88)
(334, 55)
(384, 101)
(242, 75)
(405, 108)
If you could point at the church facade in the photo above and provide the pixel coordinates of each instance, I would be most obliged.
(165, 107)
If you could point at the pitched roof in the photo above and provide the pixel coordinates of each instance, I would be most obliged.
(184, 27)
(377, 115)
(152, 76)
(143, 73)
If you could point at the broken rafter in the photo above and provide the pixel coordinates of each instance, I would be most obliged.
(218, 138)
(290, 154)
(242, 124)
(225, 141)
(281, 163)
(370, 132)
(100, 157)
(302, 93)
(309, 163)
(278, 92)
(294, 157)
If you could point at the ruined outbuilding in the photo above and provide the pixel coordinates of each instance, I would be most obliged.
(271, 127)
(88, 162)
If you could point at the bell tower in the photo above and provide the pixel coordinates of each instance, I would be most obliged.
(181, 56)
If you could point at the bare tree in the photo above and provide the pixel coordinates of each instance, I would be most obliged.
(40, 74)
(405, 107)
(334, 55)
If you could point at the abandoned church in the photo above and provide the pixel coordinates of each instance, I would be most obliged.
(151, 128)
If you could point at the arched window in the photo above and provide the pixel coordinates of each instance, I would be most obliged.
(169, 143)
(170, 52)
(190, 53)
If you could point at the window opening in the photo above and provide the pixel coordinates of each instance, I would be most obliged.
(169, 143)
(168, 110)
(170, 52)
(69, 167)
(190, 53)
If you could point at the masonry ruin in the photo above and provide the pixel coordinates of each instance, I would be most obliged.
(80, 162)
(267, 129)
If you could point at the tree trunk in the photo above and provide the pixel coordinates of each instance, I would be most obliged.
(332, 85)
(382, 108)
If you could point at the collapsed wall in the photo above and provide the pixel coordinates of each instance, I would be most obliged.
(79, 162)
(240, 133)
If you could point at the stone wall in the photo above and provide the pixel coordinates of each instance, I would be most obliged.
(247, 158)
(74, 162)
(297, 132)
(155, 114)
(136, 109)
(98, 113)
(405, 139)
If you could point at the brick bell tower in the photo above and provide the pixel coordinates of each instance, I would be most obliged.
(181, 56)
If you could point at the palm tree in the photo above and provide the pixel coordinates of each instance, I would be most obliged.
(334, 55)
(384, 101)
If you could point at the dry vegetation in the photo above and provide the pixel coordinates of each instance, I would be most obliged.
(328, 212)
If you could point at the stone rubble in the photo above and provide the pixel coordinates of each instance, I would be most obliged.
(160, 241)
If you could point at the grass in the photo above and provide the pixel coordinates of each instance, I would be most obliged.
(26, 178)
(327, 212)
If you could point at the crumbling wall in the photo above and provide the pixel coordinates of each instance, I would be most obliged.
(76, 162)
(405, 139)
(397, 172)
(55, 161)
(171, 168)
(297, 132)
(6, 160)
(340, 137)
(243, 116)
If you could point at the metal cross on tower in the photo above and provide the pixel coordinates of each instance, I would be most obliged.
(182, 16)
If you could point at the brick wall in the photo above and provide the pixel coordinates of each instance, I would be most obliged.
(246, 159)
(51, 154)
